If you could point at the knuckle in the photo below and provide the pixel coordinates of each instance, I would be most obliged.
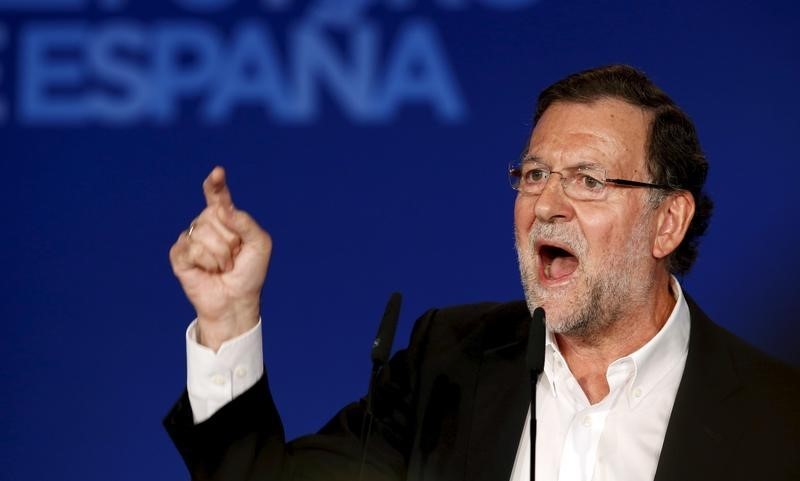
(233, 241)
(195, 252)
(217, 249)
(173, 253)
(206, 261)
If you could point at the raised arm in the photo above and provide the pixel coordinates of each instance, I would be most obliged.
(221, 262)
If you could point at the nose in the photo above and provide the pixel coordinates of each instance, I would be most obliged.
(553, 205)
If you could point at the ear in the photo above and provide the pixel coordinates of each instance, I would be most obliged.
(674, 216)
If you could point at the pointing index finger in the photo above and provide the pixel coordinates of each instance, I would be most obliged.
(216, 190)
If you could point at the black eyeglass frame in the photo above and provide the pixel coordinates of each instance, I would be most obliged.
(515, 170)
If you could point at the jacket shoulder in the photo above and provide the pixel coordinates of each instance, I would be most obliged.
(753, 366)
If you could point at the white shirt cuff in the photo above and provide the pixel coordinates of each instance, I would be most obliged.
(215, 379)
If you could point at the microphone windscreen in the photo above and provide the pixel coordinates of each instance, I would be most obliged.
(382, 346)
(535, 355)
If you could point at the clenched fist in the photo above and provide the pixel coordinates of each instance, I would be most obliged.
(221, 263)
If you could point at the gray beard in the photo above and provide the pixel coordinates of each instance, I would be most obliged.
(607, 295)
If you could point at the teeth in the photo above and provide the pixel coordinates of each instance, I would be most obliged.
(547, 270)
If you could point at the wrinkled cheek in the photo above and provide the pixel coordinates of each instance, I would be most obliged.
(523, 217)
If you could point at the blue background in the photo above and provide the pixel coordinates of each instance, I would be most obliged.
(93, 320)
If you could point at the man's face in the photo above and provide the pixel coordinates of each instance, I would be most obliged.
(587, 262)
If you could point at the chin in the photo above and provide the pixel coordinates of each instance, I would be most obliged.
(558, 303)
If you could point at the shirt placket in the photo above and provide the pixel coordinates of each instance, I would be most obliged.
(579, 458)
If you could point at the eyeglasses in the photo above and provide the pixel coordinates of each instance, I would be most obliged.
(585, 182)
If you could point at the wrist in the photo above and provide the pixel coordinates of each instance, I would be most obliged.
(212, 332)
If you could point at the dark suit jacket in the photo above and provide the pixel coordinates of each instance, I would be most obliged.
(452, 405)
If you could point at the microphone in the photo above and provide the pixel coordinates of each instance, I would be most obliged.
(381, 350)
(535, 361)
(535, 355)
(382, 346)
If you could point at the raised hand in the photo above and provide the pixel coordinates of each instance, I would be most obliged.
(221, 262)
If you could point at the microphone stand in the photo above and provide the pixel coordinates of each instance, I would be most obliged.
(535, 361)
(381, 349)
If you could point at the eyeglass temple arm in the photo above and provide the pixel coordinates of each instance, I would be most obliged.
(633, 183)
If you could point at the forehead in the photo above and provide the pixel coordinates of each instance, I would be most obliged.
(608, 132)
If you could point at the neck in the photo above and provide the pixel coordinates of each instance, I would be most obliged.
(588, 356)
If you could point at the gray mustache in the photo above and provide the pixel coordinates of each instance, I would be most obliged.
(559, 233)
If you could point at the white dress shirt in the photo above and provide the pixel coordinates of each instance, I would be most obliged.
(617, 439)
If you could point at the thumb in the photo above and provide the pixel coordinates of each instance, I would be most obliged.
(241, 223)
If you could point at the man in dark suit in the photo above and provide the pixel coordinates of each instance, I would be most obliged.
(638, 383)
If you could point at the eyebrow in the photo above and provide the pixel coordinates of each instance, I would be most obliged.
(589, 165)
(579, 165)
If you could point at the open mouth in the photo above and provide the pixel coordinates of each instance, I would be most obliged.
(556, 262)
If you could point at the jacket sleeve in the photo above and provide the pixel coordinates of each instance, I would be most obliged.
(244, 440)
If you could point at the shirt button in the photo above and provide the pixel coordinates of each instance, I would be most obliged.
(587, 422)
(218, 379)
(241, 371)
(637, 392)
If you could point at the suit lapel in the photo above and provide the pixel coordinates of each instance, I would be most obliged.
(704, 420)
(502, 395)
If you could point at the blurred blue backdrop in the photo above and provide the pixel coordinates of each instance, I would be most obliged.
(371, 139)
